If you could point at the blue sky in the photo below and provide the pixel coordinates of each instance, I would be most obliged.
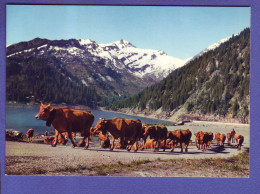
(181, 32)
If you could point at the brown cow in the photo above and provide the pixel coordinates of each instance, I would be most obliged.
(211, 136)
(128, 130)
(61, 140)
(222, 139)
(239, 140)
(103, 139)
(157, 133)
(29, 134)
(197, 137)
(203, 139)
(62, 137)
(150, 144)
(217, 137)
(142, 136)
(180, 136)
(67, 120)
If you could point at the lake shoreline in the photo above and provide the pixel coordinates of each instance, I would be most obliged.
(170, 119)
(124, 114)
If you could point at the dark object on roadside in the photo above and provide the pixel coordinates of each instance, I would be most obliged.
(12, 135)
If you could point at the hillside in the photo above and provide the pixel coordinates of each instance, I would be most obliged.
(215, 83)
(82, 71)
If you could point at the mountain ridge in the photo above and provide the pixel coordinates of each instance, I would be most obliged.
(112, 70)
(215, 83)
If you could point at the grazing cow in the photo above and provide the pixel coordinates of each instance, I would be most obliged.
(180, 136)
(103, 139)
(61, 140)
(233, 133)
(150, 144)
(239, 140)
(203, 139)
(29, 134)
(158, 134)
(67, 120)
(128, 130)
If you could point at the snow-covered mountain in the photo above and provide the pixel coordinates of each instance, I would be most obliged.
(119, 55)
(114, 69)
(117, 68)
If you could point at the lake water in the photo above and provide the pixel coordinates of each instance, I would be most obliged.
(22, 118)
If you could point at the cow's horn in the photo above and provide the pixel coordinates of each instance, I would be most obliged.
(48, 105)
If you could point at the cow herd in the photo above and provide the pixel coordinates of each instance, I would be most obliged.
(67, 122)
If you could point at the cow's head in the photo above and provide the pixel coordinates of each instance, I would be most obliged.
(94, 131)
(46, 113)
(197, 135)
(101, 126)
(149, 130)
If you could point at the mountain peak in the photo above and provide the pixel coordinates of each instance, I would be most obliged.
(120, 44)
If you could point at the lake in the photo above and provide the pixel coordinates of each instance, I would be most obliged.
(22, 118)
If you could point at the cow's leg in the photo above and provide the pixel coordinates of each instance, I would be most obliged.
(113, 143)
(130, 145)
(86, 142)
(154, 145)
(172, 147)
(164, 145)
(144, 141)
(198, 145)
(159, 144)
(55, 141)
(186, 149)
(181, 147)
(187, 144)
(73, 144)
(136, 144)
(123, 142)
